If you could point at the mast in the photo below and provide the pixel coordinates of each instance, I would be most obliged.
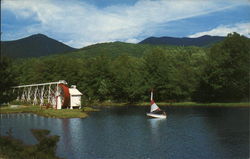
(151, 98)
(153, 106)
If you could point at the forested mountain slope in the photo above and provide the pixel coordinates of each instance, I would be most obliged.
(112, 49)
(122, 72)
(41, 45)
(202, 41)
(33, 46)
(115, 49)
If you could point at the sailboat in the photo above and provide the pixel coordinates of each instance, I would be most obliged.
(155, 111)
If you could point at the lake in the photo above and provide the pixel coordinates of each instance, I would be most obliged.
(126, 133)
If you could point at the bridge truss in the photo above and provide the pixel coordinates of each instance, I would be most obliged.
(49, 94)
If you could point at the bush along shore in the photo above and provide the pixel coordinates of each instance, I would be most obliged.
(42, 111)
(15, 148)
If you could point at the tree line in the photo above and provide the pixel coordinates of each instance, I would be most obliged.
(216, 74)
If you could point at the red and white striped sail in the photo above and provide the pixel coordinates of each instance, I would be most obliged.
(153, 107)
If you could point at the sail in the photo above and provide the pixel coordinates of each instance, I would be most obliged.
(154, 107)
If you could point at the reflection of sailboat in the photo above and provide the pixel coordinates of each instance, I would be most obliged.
(155, 122)
(155, 111)
(156, 127)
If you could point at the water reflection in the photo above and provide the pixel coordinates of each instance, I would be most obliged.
(66, 133)
(66, 137)
(230, 127)
(127, 133)
(155, 127)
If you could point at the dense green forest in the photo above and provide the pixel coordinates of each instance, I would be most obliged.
(121, 72)
(7, 80)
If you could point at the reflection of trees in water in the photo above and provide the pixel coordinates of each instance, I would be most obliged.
(66, 135)
(230, 129)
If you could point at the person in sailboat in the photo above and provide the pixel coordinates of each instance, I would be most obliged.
(159, 111)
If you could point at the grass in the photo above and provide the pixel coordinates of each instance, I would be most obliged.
(107, 103)
(62, 113)
(89, 109)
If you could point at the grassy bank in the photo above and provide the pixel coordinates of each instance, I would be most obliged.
(62, 113)
(177, 104)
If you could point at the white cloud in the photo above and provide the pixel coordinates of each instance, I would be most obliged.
(85, 24)
(223, 30)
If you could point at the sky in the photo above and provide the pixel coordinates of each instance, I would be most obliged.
(79, 23)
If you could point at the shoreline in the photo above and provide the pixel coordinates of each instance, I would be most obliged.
(83, 113)
(177, 104)
(51, 113)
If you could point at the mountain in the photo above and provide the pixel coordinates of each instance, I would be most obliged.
(111, 49)
(200, 41)
(33, 46)
(115, 49)
(41, 45)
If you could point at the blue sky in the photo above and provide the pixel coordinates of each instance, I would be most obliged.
(79, 23)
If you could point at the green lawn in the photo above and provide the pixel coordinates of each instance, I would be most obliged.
(62, 113)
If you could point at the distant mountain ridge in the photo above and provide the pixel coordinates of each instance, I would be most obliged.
(33, 46)
(202, 41)
(40, 45)
(111, 49)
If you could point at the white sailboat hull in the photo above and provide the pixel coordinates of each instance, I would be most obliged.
(162, 116)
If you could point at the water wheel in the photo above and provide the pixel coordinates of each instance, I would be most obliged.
(63, 95)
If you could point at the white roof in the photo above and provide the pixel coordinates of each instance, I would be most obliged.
(74, 91)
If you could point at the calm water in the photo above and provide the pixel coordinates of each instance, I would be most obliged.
(126, 133)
